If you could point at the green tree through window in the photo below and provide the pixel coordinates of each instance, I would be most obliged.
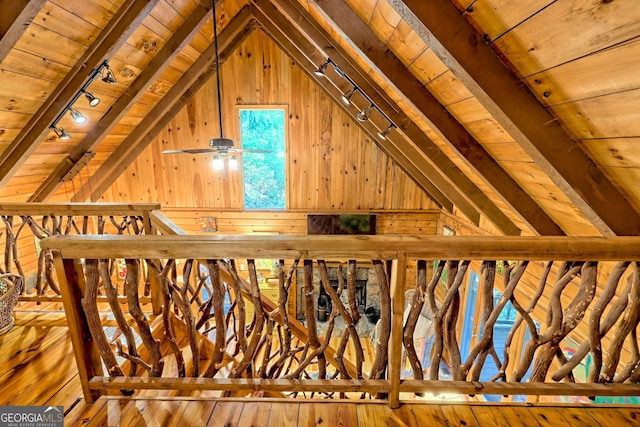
(263, 173)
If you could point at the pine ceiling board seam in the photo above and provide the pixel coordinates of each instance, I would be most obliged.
(518, 111)
(427, 66)
(96, 12)
(68, 24)
(608, 116)
(464, 185)
(16, 15)
(589, 76)
(439, 119)
(42, 42)
(32, 134)
(497, 17)
(30, 65)
(399, 156)
(583, 26)
(118, 110)
(136, 141)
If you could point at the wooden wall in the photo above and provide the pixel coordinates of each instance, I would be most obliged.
(331, 164)
(295, 223)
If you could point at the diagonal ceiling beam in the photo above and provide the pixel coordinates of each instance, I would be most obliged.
(443, 28)
(114, 35)
(438, 160)
(150, 74)
(413, 91)
(236, 31)
(15, 18)
(441, 192)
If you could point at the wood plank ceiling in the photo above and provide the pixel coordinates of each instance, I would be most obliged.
(521, 115)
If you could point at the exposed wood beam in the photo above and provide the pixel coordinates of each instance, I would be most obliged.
(113, 36)
(437, 159)
(443, 28)
(236, 31)
(151, 72)
(477, 158)
(440, 192)
(15, 18)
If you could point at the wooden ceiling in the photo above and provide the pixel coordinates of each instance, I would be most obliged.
(520, 115)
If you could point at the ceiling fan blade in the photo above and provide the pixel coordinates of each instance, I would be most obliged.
(248, 150)
(192, 151)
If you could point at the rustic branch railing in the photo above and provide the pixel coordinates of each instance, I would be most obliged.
(197, 344)
(42, 220)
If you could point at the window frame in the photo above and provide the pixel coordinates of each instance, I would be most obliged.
(285, 109)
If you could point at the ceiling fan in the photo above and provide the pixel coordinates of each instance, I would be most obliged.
(221, 146)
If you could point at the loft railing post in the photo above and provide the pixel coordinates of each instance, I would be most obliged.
(72, 286)
(146, 223)
(397, 285)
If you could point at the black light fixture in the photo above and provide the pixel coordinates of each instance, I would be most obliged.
(93, 100)
(321, 69)
(346, 97)
(363, 114)
(107, 76)
(62, 134)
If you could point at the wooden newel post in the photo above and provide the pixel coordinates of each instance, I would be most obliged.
(72, 285)
(397, 285)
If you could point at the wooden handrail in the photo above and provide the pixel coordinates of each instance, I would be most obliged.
(76, 209)
(352, 247)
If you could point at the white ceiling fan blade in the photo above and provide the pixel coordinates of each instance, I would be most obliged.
(248, 150)
(192, 151)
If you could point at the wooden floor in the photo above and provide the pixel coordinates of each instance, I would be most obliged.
(37, 368)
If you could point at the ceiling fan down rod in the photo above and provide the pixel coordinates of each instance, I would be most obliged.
(215, 45)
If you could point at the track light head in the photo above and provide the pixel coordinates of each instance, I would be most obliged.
(346, 97)
(61, 133)
(321, 69)
(108, 76)
(77, 116)
(93, 100)
(363, 115)
(383, 134)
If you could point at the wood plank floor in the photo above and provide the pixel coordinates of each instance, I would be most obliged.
(37, 368)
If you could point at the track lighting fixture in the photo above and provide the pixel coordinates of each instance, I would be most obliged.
(321, 69)
(363, 115)
(108, 76)
(346, 97)
(77, 116)
(383, 134)
(62, 134)
(93, 100)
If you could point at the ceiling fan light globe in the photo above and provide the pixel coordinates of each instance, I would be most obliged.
(217, 164)
(233, 163)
